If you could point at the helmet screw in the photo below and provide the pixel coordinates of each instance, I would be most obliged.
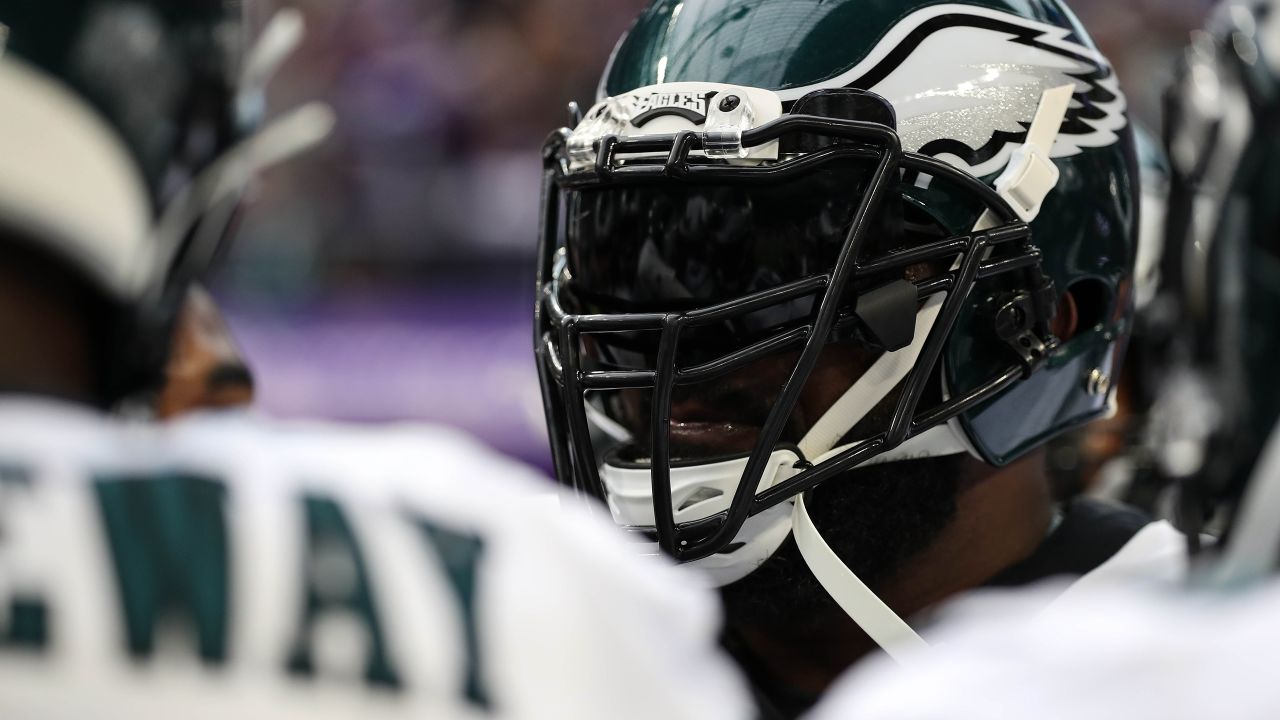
(1099, 383)
(730, 103)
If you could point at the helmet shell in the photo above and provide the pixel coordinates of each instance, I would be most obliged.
(118, 106)
(964, 78)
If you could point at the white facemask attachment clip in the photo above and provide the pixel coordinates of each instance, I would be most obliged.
(1025, 184)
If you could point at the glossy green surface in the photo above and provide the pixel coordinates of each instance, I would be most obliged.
(1087, 230)
(1087, 234)
(774, 44)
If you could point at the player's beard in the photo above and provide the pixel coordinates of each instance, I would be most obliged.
(875, 518)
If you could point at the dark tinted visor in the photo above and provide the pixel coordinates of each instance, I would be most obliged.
(670, 245)
(677, 246)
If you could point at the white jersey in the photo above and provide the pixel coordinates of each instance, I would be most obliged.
(1125, 654)
(1122, 642)
(231, 567)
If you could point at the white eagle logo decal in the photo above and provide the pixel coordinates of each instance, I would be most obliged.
(966, 81)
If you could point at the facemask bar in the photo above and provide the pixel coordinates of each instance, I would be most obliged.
(558, 334)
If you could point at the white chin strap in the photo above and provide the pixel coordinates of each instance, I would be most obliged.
(1025, 184)
(701, 491)
(880, 622)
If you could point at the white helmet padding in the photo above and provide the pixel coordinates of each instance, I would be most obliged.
(699, 492)
(67, 178)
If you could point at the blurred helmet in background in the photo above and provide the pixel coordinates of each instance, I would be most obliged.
(119, 117)
(1221, 268)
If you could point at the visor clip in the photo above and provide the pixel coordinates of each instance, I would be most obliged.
(888, 315)
(1015, 323)
(1027, 181)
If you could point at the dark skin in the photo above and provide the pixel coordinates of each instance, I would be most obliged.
(43, 312)
(1001, 517)
(52, 354)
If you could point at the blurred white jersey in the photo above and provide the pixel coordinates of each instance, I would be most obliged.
(1116, 651)
(232, 567)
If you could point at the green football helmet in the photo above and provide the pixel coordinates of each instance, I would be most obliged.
(768, 188)
(125, 143)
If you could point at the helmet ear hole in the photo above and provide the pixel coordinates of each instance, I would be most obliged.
(1067, 320)
(1085, 306)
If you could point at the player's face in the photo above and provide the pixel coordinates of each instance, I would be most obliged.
(206, 369)
(725, 416)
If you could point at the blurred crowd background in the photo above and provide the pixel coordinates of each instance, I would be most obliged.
(389, 276)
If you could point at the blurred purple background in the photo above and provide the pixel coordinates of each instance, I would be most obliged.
(389, 275)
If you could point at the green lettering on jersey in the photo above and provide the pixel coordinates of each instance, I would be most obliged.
(26, 621)
(460, 555)
(336, 579)
(168, 538)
